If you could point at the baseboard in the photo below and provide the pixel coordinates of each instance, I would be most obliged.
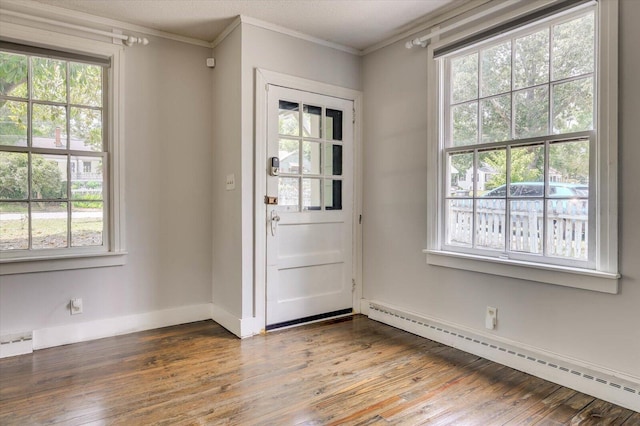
(241, 327)
(600, 382)
(90, 330)
(16, 344)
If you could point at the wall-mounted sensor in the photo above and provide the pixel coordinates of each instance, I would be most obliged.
(211, 62)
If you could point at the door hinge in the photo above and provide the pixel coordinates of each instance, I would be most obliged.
(266, 87)
(354, 116)
(360, 220)
(353, 285)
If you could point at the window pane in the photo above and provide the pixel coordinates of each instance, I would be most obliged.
(573, 106)
(573, 47)
(491, 173)
(13, 123)
(48, 176)
(333, 160)
(531, 62)
(490, 223)
(49, 126)
(527, 171)
(289, 155)
(311, 154)
(460, 172)
(332, 194)
(85, 84)
(311, 121)
(14, 175)
(289, 118)
(496, 118)
(49, 79)
(334, 124)
(464, 119)
(527, 226)
(464, 78)
(86, 129)
(496, 70)
(86, 178)
(459, 218)
(567, 227)
(86, 223)
(288, 194)
(13, 75)
(14, 226)
(531, 112)
(311, 195)
(49, 223)
(569, 165)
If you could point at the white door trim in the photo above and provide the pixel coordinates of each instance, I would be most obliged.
(263, 79)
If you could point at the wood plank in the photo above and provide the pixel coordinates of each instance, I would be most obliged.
(352, 371)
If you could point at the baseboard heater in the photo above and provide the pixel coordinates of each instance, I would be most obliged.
(561, 371)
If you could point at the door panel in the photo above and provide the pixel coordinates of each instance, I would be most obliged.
(309, 231)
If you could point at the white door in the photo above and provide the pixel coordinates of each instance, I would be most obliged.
(310, 229)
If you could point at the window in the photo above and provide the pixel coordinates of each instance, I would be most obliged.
(523, 108)
(61, 165)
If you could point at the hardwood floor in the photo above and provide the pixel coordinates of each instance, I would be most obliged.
(349, 371)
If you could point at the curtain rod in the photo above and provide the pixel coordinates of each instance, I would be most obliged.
(422, 41)
(129, 40)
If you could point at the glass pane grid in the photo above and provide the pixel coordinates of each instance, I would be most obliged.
(61, 114)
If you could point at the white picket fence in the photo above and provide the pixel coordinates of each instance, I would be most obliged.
(567, 225)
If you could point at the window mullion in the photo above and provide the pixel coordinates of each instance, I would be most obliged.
(545, 221)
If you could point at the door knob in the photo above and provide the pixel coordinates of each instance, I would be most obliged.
(274, 219)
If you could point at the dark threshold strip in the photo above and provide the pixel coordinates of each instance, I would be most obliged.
(309, 319)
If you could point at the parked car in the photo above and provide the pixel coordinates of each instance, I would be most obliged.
(536, 189)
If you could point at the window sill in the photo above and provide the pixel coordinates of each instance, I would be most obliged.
(61, 263)
(586, 279)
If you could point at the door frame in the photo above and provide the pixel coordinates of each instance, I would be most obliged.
(264, 78)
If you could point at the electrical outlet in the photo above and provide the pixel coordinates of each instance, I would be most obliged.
(230, 182)
(75, 305)
(491, 318)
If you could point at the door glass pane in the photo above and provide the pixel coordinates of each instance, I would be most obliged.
(496, 118)
(48, 176)
(311, 194)
(333, 160)
(311, 154)
(496, 70)
(289, 155)
(573, 47)
(460, 172)
(531, 62)
(311, 121)
(14, 226)
(86, 129)
(531, 112)
(491, 173)
(568, 228)
(49, 80)
(49, 223)
(14, 76)
(86, 178)
(288, 194)
(14, 175)
(490, 223)
(464, 78)
(332, 194)
(86, 223)
(573, 106)
(49, 126)
(527, 171)
(526, 222)
(333, 124)
(464, 119)
(13, 123)
(569, 169)
(289, 118)
(459, 217)
(85, 84)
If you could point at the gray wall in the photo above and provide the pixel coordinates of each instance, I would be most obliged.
(597, 328)
(168, 153)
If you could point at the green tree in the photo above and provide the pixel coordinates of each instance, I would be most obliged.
(46, 178)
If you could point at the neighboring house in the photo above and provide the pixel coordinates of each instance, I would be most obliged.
(483, 175)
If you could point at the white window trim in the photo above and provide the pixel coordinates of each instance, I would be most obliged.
(604, 278)
(116, 251)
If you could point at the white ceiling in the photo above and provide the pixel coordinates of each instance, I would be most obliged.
(353, 23)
